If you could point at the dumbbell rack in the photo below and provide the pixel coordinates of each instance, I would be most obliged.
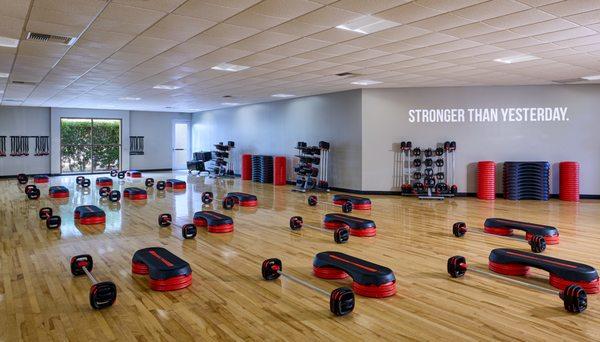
(19, 146)
(427, 178)
(311, 171)
(223, 161)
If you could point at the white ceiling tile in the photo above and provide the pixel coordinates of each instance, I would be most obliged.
(368, 6)
(284, 9)
(158, 5)
(565, 34)
(213, 10)
(408, 13)
(571, 7)
(178, 27)
(522, 18)
(544, 27)
(328, 17)
(491, 9)
(471, 30)
(442, 22)
(448, 5)
(126, 19)
(11, 27)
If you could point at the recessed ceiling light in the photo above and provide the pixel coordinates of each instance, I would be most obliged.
(283, 95)
(3, 75)
(229, 67)
(367, 24)
(230, 104)
(591, 78)
(166, 87)
(516, 59)
(128, 98)
(9, 42)
(365, 82)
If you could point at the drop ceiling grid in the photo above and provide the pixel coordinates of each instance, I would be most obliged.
(176, 42)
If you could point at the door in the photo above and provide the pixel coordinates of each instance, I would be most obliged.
(181, 144)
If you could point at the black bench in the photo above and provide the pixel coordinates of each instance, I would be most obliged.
(176, 184)
(90, 214)
(167, 271)
(135, 193)
(369, 279)
(562, 272)
(104, 181)
(358, 226)
(58, 192)
(213, 221)
(243, 199)
(41, 179)
(500, 226)
(358, 203)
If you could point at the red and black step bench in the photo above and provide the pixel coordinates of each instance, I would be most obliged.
(358, 203)
(90, 214)
(358, 226)
(135, 194)
(41, 179)
(213, 221)
(501, 226)
(562, 272)
(243, 199)
(104, 181)
(167, 271)
(134, 174)
(175, 184)
(368, 279)
(58, 192)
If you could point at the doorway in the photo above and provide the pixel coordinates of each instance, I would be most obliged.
(181, 144)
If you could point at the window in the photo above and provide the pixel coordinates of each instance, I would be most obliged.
(90, 145)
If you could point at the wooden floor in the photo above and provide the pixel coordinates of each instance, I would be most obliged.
(228, 300)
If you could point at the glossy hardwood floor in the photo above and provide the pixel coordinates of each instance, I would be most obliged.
(228, 300)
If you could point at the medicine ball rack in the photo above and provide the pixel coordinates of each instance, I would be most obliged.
(312, 169)
(428, 178)
(223, 161)
(19, 145)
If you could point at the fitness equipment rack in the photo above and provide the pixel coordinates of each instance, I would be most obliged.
(3, 146)
(136, 145)
(19, 145)
(312, 170)
(436, 170)
(223, 161)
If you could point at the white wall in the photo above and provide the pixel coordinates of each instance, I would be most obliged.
(57, 113)
(274, 128)
(15, 121)
(156, 129)
(385, 122)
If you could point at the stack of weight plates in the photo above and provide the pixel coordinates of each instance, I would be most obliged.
(527, 180)
(262, 169)
(486, 180)
(569, 181)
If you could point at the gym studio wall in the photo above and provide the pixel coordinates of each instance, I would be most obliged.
(512, 123)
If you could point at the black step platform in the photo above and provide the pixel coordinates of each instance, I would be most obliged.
(134, 174)
(90, 214)
(358, 203)
(135, 194)
(369, 279)
(501, 226)
(562, 272)
(358, 226)
(176, 184)
(40, 179)
(58, 192)
(213, 221)
(104, 181)
(243, 199)
(167, 271)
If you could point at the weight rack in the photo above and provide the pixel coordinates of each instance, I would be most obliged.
(425, 172)
(136, 145)
(312, 169)
(3, 146)
(223, 161)
(19, 145)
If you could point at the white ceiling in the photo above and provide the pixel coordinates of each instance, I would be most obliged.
(126, 47)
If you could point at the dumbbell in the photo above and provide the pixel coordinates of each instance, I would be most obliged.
(537, 242)
(428, 152)
(161, 185)
(573, 296)
(439, 151)
(79, 179)
(439, 162)
(83, 182)
(416, 152)
(112, 195)
(149, 182)
(22, 178)
(121, 174)
(341, 300)
(52, 221)
(405, 146)
(102, 294)
(113, 173)
(428, 162)
(340, 235)
(346, 207)
(32, 192)
(417, 162)
(208, 197)
(188, 231)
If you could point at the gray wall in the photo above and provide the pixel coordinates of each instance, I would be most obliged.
(24, 121)
(155, 127)
(385, 122)
(274, 128)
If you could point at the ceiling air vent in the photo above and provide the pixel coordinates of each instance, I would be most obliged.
(344, 74)
(23, 82)
(49, 38)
